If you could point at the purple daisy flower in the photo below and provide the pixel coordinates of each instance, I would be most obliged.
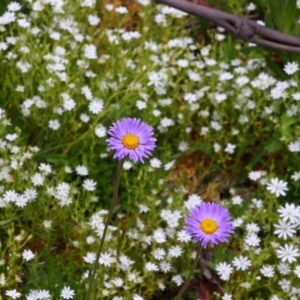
(209, 223)
(131, 137)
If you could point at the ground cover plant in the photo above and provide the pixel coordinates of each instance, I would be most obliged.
(226, 129)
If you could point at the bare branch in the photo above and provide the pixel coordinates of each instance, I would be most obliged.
(243, 28)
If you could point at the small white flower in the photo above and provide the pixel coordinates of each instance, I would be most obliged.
(93, 20)
(296, 176)
(241, 263)
(27, 255)
(13, 294)
(90, 258)
(11, 137)
(237, 222)
(37, 179)
(54, 124)
(155, 163)
(287, 252)
(291, 68)
(89, 185)
(67, 293)
(159, 253)
(84, 118)
(183, 146)
(226, 297)
(175, 251)
(230, 148)
(82, 170)
(121, 10)
(277, 187)
(106, 259)
(100, 131)
(169, 165)
(90, 51)
(224, 270)
(294, 146)
(192, 201)
(290, 212)
(252, 240)
(267, 271)
(159, 236)
(151, 267)
(297, 271)
(96, 106)
(252, 228)
(284, 269)
(182, 236)
(118, 282)
(255, 175)
(140, 104)
(237, 200)
(178, 280)
(14, 6)
(127, 165)
(285, 230)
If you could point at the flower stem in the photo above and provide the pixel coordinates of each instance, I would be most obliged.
(92, 274)
(191, 273)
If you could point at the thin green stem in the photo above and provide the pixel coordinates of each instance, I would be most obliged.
(191, 273)
(92, 274)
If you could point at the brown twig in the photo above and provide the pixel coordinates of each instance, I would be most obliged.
(243, 28)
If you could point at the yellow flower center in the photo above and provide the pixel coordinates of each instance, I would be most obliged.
(130, 141)
(209, 226)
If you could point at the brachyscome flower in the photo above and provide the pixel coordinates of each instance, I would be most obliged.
(131, 137)
(209, 223)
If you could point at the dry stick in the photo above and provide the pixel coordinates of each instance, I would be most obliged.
(243, 28)
(191, 273)
(113, 204)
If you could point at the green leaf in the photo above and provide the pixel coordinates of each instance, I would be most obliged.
(228, 48)
(273, 146)
(286, 123)
(283, 13)
(275, 68)
(5, 222)
(58, 159)
(269, 21)
(256, 157)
